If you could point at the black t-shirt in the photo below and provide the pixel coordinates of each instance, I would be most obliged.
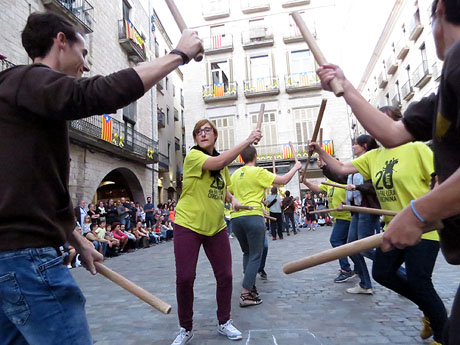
(437, 117)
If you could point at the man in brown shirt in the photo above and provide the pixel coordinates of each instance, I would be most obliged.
(39, 297)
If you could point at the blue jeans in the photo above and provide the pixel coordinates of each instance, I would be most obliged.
(250, 232)
(229, 226)
(126, 222)
(362, 225)
(40, 303)
(264, 255)
(98, 245)
(417, 285)
(339, 237)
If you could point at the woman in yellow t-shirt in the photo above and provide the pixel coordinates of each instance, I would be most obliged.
(199, 221)
(248, 185)
(400, 175)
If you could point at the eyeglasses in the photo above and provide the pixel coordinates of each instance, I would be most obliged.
(203, 130)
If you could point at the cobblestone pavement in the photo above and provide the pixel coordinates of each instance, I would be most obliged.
(304, 308)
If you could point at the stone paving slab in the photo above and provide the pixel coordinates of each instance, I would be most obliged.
(304, 308)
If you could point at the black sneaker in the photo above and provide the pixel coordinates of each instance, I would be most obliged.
(263, 275)
(344, 276)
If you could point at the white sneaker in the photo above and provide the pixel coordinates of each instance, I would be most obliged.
(229, 331)
(183, 337)
(358, 289)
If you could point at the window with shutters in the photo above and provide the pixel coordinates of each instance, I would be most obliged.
(268, 144)
(226, 130)
(129, 113)
(305, 120)
(220, 74)
(260, 67)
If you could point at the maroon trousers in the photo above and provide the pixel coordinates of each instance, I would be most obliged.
(187, 245)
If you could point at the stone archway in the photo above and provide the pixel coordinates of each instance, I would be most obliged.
(120, 182)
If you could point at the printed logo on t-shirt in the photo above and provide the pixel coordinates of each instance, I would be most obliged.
(384, 185)
(216, 190)
(242, 174)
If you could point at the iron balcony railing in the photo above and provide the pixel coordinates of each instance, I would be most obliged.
(5, 64)
(161, 118)
(283, 151)
(421, 74)
(80, 11)
(257, 37)
(176, 114)
(177, 143)
(407, 91)
(218, 43)
(130, 39)
(302, 81)
(163, 162)
(123, 138)
(401, 48)
(220, 91)
(216, 9)
(251, 6)
(415, 28)
(261, 86)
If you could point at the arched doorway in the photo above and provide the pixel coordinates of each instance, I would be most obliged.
(118, 183)
(171, 192)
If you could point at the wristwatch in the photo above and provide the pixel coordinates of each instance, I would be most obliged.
(185, 58)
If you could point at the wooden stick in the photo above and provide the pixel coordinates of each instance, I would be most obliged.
(293, 151)
(260, 119)
(315, 133)
(244, 207)
(273, 165)
(368, 210)
(352, 248)
(321, 137)
(270, 218)
(136, 290)
(324, 210)
(180, 22)
(319, 57)
(334, 185)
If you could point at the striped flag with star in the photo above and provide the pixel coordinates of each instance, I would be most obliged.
(287, 152)
(328, 146)
(107, 128)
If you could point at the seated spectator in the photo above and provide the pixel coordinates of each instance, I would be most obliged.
(328, 221)
(153, 238)
(99, 244)
(101, 230)
(141, 235)
(168, 229)
(132, 245)
(85, 226)
(321, 221)
(69, 253)
(115, 249)
(119, 235)
(172, 214)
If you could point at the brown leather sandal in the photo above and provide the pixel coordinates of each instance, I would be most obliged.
(249, 299)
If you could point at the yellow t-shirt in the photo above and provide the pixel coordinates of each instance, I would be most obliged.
(201, 204)
(335, 196)
(248, 185)
(398, 175)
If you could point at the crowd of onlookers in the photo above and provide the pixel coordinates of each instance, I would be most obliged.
(120, 227)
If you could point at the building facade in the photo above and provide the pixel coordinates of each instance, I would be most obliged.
(404, 66)
(117, 154)
(254, 54)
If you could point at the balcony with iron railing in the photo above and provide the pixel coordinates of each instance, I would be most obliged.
(176, 115)
(401, 49)
(182, 100)
(253, 6)
(302, 82)
(218, 44)
(5, 64)
(261, 87)
(220, 92)
(79, 12)
(163, 163)
(392, 65)
(216, 9)
(157, 49)
(161, 118)
(292, 3)
(131, 41)
(177, 143)
(257, 38)
(282, 152)
(407, 91)
(293, 35)
(160, 84)
(421, 75)
(125, 142)
(382, 80)
(436, 69)
(396, 101)
(415, 28)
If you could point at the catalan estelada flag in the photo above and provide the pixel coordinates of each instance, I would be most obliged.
(240, 160)
(106, 128)
(218, 89)
(328, 146)
(287, 152)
